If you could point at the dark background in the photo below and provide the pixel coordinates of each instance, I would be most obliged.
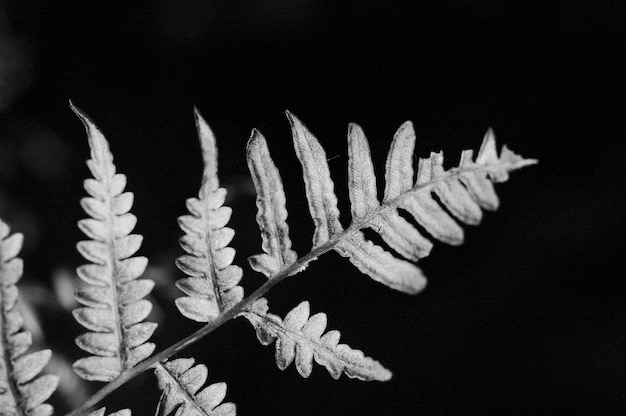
(527, 318)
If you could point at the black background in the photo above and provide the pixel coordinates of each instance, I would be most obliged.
(528, 317)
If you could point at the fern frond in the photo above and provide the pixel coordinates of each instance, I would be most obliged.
(272, 213)
(102, 410)
(212, 286)
(462, 191)
(183, 393)
(370, 258)
(300, 338)
(318, 185)
(22, 390)
(398, 233)
(114, 305)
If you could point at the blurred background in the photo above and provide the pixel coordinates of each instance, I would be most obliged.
(527, 318)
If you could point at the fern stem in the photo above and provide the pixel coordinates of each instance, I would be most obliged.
(292, 269)
(232, 313)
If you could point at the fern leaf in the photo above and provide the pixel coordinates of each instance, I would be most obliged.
(272, 213)
(462, 191)
(212, 286)
(398, 233)
(318, 184)
(183, 393)
(381, 265)
(23, 390)
(300, 338)
(361, 179)
(102, 410)
(114, 305)
(367, 256)
(427, 212)
(399, 166)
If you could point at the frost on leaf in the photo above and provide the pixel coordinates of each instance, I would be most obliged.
(183, 392)
(272, 213)
(23, 390)
(213, 283)
(113, 297)
(300, 338)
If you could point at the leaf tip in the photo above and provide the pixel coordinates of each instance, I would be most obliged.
(407, 125)
(354, 130)
(204, 131)
(84, 118)
(414, 284)
(293, 120)
(487, 152)
(384, 374)
(207, 146)
(255, 137)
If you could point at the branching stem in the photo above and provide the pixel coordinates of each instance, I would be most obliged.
(292, 269)
(162, 356)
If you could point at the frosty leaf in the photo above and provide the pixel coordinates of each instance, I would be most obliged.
(183, 392)
(114, 308)
(300, 338)
(318, 184)
(213, 283)
(23, 390)
(272, 213)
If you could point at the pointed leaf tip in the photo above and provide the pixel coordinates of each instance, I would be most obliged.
(208, 148)
(98, 144)
(255, 136)
(204, 131)
(293, 119)
(487, 152)
(84, 118)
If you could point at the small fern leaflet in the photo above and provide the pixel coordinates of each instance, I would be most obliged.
(212, 286)
(462, 191)
(300, 338)
(22, 390)
(318, 185)
(272, 213)
(114, 305)
(183, 393)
